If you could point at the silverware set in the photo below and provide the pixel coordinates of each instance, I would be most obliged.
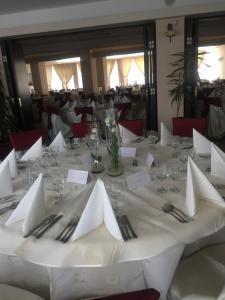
(67, 232)
(178, 214)
(126, 228)
(44, 226)
(5, 209)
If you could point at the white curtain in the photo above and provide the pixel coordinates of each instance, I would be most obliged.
(139, 60)
(124, 65)
(48, 69)
(65, 72)
(110, 64)
(75, 76)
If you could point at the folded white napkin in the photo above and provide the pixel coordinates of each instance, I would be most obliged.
(98, 210)
(199, 187)
(5, 179)
(34, 152)
(31, 208)
(127, 135)
(165, 135)
(59, 142)
(11, 158)
(200, 143)
(217, 162)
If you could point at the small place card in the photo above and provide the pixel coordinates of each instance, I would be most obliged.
(86, 159)
(128, 151)
(138, 179)
(150, 160)
(77, 176)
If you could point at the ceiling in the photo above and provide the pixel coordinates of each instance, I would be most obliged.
(14, 6)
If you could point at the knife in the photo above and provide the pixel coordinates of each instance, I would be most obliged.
(130, 227)
(46, 228)
(121, 228)
(39, 226)
(126, 228)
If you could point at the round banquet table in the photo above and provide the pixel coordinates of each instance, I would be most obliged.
(98, 264)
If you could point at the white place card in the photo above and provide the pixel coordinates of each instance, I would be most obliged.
(128, 151)
(86, 159)
(138, 179)
(150, 160)
(77, 176)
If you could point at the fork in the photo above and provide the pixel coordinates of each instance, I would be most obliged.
(65, 232)
(179, 212)
(170, 211)
(9, 207)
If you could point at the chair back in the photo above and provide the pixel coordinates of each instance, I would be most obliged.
(184, 126)
(80, 130)
(84, 110)
(135, 126)
(123, 108)
(24, 140)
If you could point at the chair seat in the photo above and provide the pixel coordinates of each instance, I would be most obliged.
(8, 292)
(200, 276)
(150, 294)
(24, 140)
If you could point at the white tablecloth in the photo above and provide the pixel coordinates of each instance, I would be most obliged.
(148, 261)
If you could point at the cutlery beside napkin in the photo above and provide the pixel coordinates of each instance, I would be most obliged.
(31, 208)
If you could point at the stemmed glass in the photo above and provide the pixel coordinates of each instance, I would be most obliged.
(162, 176)
(58, 182)
(183, 157)
(175, 144)
(174, 175)
(75, 145)
(153, 138)
(54, 150)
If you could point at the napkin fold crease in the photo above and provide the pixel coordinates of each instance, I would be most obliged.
(217, 162)
(200, 143)
(34, 152)
(59, 142)
(165, 135)
(5, 179)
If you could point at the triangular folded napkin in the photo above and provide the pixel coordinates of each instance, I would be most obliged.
(127, 135)
(11, 158)
(200, 143)
(5, 179)
(98, 210)
(34, 152)
(31, 209)
(59, 142)
(199, 187)
(217, 162)
(165, 135)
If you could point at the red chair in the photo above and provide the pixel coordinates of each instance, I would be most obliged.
(136, 126)
(84, 110)
(184, 126)
(123, 108)
(150, 294)
(24, 140)
(80, 130)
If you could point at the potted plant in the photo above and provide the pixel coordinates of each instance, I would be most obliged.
(182, 126)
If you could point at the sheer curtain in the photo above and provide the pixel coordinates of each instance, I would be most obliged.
(124, 65)
(48, 69)
(65, 72)
(110, 64)
(139, 60)
(75, 76)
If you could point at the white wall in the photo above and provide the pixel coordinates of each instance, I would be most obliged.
(164, 50)
(100, 13)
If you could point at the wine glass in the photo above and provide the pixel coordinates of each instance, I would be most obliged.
(174, 175)
(54, 150)
(162, 176)
(58, 182)
(183, 157)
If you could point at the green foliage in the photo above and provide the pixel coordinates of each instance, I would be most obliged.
(176, 77)
(9, 121)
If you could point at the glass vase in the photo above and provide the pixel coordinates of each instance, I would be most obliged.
(113, 140)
